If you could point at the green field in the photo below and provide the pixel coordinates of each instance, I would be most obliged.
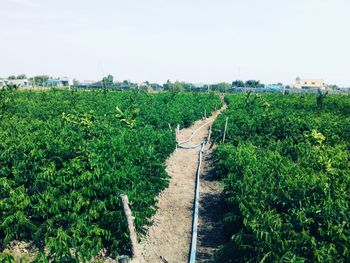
(285, 167)
(66, 156)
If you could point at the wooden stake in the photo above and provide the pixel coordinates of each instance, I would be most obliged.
(223, 139)
(176, 139)
(123, 259)
(130, 222)
(209, 133)
(205, 113)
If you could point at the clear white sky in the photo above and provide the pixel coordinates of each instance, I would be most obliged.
(190, 40)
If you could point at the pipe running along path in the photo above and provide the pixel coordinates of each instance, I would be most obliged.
(169, 238)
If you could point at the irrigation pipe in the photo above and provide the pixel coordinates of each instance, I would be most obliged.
(194, 132)
(193, 248)
(190, 146)
(196, 212)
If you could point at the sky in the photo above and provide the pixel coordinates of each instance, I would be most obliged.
(187, 40)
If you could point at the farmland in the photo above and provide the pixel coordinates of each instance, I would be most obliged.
(66, 156)
(285, 167)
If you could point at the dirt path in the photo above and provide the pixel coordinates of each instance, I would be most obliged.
(211, 202)
(168, 239)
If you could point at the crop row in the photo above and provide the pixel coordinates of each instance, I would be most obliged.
(285, 167)
(65, 157)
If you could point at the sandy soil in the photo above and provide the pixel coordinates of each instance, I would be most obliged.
(211, 201)
(168, 239)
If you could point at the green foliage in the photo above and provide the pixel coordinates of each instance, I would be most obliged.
(22, 76)
(320, 98)
(65, 157)
(253, 84)
(107, 81)
(40, 80)
(238, 83)
(285, 168)
(6, 98)
(7, 258)
(220, 87)
(176, 86)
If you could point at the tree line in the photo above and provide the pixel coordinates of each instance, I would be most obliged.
(109, 82)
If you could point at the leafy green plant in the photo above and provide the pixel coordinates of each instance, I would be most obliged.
(5, 97)
(65, 157)
(127, 119)
(286, 172)
(320, 98)
(7, 258)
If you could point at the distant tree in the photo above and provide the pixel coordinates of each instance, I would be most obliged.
(320, 98)
(22, 76)
(253, 84)
(333, 86)
(107, 81)
(220, 87)
(177, 86)
(156, 86)
(186, 86)
(238, 84)
(12, 77)
(40, 80)
(167, 85)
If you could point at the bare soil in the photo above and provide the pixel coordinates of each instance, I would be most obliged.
(210, 226)
(169, 238)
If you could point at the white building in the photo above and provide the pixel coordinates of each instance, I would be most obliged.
(3, 82)
(53, 83)
(61, 82)
(19, 82)
(66, 81)
(309, 84)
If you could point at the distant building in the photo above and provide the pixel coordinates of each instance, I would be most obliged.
(88, 82)
(124, 86)
(53, 83)
(274, 86)
(143, 84)
(156, 87)
(66, 81)
(199, 85)
(61, 82)
(3, 82)
(309, 84)
(18, 82)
